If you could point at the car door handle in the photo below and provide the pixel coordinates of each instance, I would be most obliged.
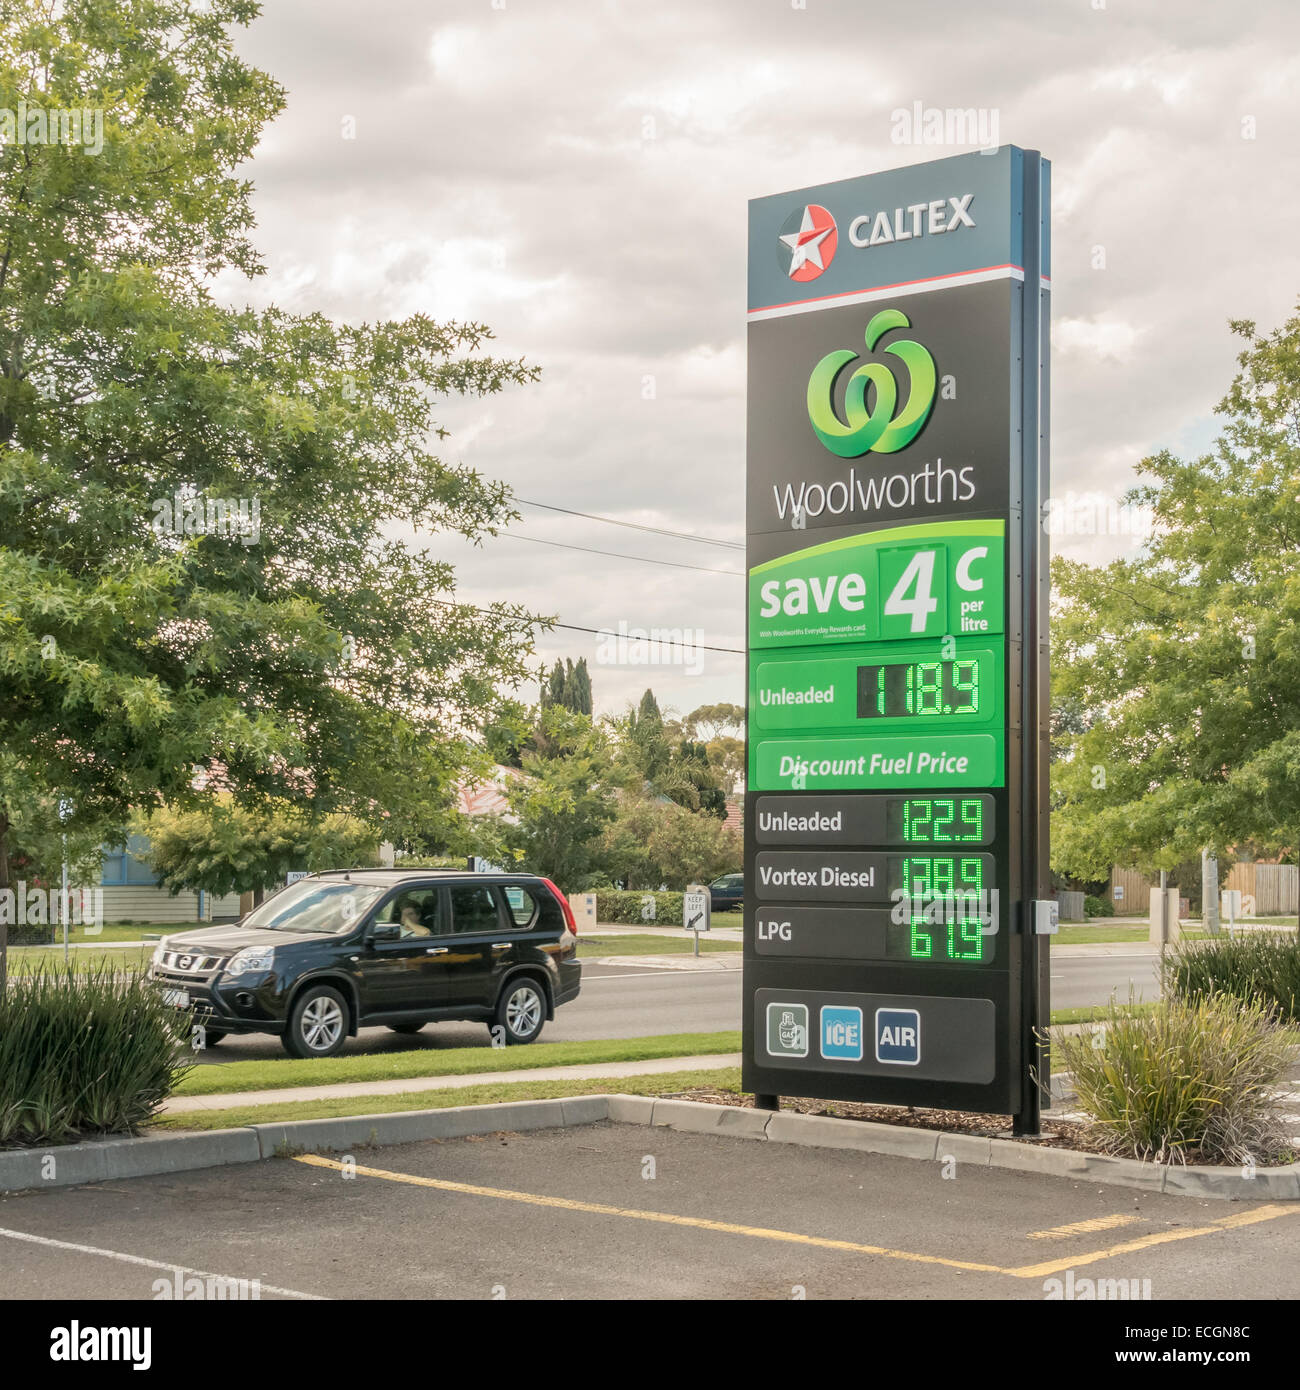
(436, 950)
(496, 945)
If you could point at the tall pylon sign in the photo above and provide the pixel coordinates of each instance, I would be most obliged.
(896, 860)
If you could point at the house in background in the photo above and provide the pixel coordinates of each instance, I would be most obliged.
(132, 892)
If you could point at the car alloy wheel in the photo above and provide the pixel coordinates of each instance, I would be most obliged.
(522, 1011)
(317, 1024)
(322, 1022)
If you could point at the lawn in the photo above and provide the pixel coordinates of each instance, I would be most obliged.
(274, 1074)
(638, 945)
(726, 1078)
(23, 960)
(121, 931)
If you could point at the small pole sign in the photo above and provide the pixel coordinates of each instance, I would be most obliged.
(695, 914)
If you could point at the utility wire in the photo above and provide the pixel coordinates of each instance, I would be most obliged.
(620, 555)
(572, 627)
(635, 525)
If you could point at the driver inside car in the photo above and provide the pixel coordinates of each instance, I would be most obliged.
(408, 915)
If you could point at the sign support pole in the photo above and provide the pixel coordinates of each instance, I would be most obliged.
(1035, 694)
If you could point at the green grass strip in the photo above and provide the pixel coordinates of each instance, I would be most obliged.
(725, 1078)
(452, 1061)
(638, 945)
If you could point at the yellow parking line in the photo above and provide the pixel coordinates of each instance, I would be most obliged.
(1078, 1228)
(1225, 1223)
(667, 1218)
(1038, 1271)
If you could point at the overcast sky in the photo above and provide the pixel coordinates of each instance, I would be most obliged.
(575, 173)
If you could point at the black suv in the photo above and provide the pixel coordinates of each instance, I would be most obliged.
(344, 950)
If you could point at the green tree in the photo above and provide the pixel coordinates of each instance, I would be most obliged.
(510, 733)
(581, 696)
(301, 654)
(645, 751)
(225, 848)
(1181, 667)
(654, 842)
(568, 686)
(709, 722)
(694, 781)
(563, 805)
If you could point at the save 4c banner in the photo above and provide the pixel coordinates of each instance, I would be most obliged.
(896, 803)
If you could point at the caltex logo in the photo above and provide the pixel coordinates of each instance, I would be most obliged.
(807, 243)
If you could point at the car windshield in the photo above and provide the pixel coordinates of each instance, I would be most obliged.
(315, 907)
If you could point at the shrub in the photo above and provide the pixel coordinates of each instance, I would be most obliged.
(613, 905)
(1257, 967)
(1097, 907)
(24, 935)
(84, 1050)
(1190, 1078)
(652, 842)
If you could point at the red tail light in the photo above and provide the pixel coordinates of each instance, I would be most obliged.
(570, 920)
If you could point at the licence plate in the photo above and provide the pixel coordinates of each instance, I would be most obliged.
(180, 998)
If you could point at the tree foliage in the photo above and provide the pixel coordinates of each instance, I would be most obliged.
(650, 843)
(1180, 668)
(225, 848)
(568, 686)
(561, 807)
(311, 657)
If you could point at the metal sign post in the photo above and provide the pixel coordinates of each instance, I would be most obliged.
(896, 855)
(696, 908)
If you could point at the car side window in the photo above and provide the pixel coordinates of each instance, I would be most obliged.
(474, 909)
(417, 911)
(521, 904)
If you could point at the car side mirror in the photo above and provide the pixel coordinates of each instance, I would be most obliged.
(386, 931)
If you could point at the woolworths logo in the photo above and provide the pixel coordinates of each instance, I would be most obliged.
(876, 430)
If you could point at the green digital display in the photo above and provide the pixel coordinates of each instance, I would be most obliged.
(938, 820)
(922, 688)
(947, 912)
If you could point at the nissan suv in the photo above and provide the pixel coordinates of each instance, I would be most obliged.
(340, 951)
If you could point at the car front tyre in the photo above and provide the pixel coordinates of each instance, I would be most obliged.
(521, 1011)
(318, 1023)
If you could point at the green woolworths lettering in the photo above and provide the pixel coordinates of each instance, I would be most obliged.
(874, 430)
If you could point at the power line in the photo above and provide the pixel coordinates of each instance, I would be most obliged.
(620, 555)
(635, 525)
(573, 627)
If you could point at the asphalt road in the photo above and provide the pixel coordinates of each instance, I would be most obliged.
(631, 1001)
(679, 1216)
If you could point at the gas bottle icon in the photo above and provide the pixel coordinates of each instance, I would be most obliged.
(793, 1034)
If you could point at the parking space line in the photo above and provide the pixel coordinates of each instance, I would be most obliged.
(124, 1258)
(1077, 1228)
(636, 1214)
(1224, 1223)
(1037, 1271)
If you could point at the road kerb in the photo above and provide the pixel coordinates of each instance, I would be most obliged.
(76, 1164)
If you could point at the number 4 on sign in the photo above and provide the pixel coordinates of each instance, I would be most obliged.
(919, 575)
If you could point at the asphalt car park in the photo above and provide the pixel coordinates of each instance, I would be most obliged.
(623, 1211)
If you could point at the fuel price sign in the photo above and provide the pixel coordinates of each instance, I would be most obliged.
(896, 806)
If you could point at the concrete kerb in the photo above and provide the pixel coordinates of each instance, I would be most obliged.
(98, 1161)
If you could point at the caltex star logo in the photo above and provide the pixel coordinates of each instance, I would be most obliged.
(807, 243)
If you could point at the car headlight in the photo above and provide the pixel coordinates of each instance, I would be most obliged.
(158, 952)
(250, 958)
